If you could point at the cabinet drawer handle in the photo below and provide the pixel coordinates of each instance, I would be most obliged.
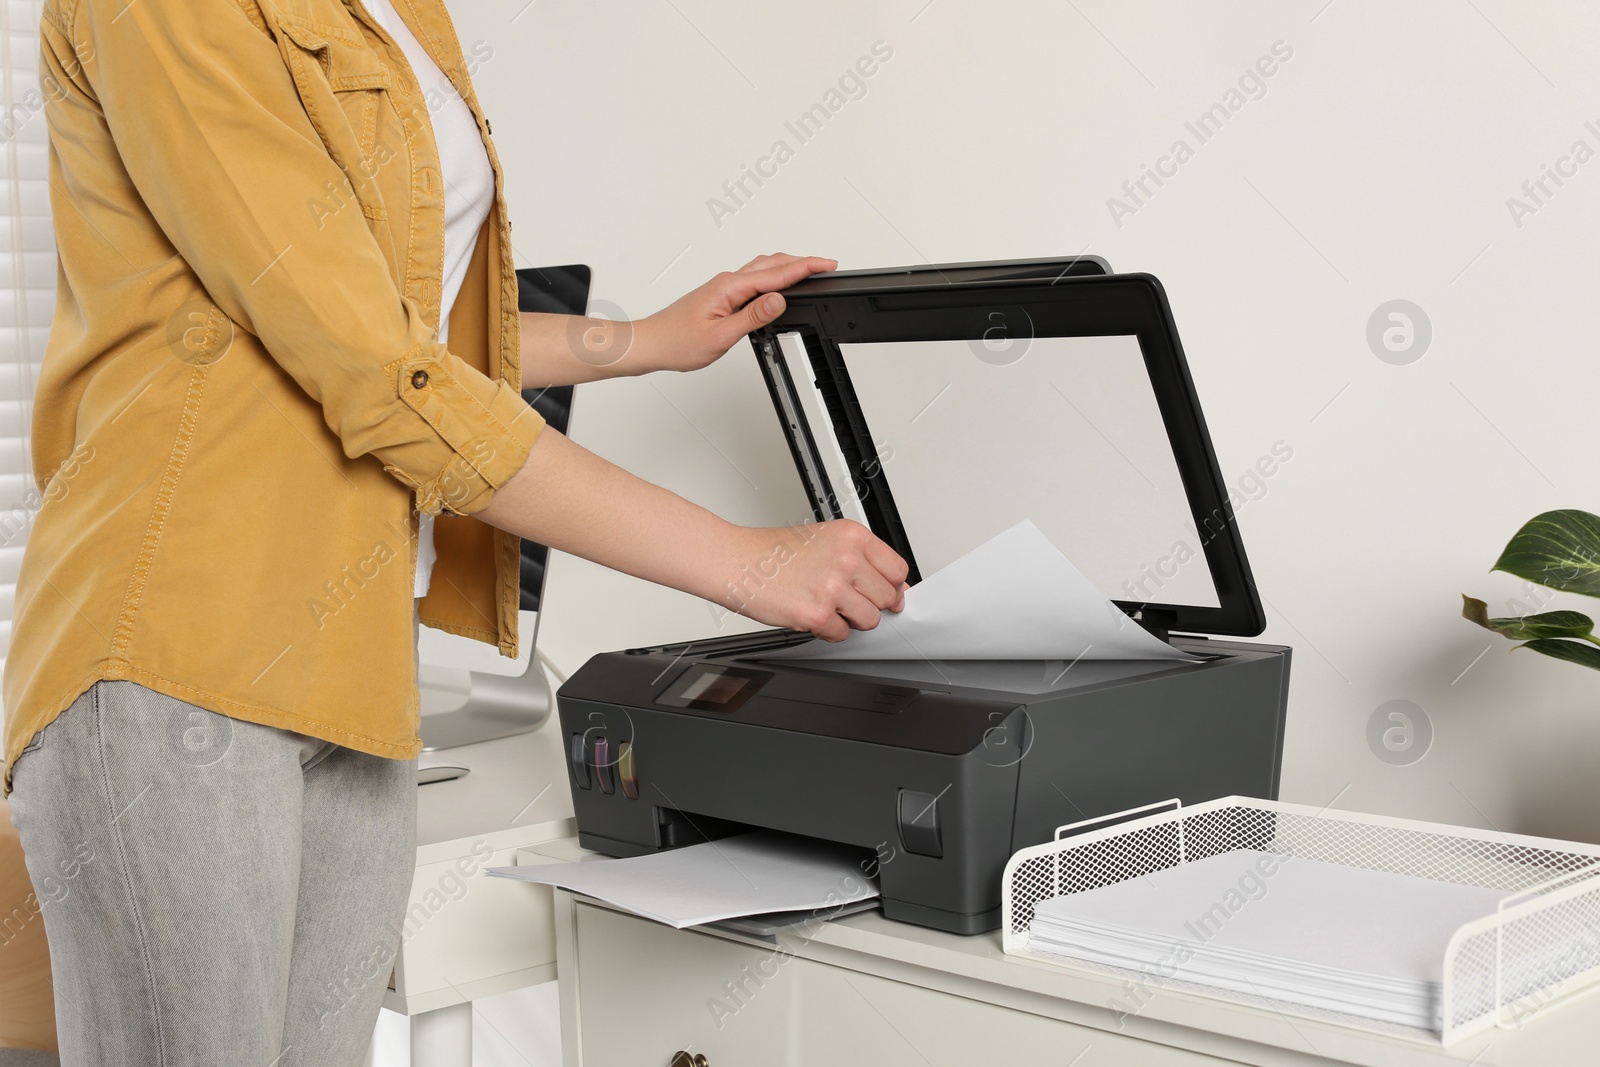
(683, 1059)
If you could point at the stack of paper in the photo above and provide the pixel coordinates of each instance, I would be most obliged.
(1323, 935)
(752, 874)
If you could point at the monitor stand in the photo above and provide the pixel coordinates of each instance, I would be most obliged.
(497, 706)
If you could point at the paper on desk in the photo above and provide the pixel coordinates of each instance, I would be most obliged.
(1322, 935)
(751, 874)
(1014, 597)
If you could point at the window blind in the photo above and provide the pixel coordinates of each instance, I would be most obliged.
(27, 282)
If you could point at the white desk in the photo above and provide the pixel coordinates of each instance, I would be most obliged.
(467, 935)
(867, 990)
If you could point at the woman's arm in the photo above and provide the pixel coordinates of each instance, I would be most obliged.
(822, 577)
(688, 334)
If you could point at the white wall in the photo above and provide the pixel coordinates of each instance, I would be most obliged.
(1376, 166)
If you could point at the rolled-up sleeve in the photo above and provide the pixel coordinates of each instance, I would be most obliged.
(216, 140)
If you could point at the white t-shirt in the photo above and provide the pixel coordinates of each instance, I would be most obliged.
(468, 196)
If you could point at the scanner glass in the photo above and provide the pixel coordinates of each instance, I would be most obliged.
(1065, 431)
(943, 408)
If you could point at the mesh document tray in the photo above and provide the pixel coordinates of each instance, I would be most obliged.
(1541, 945)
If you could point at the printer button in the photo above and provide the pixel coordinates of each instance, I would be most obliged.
(919, 823)
(577, 757)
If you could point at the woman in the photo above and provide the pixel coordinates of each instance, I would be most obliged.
(284, 371)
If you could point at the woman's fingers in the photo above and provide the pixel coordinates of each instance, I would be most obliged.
(888, 563)
(746, 282)
(860, 612)
(882, 593)
(778, 259)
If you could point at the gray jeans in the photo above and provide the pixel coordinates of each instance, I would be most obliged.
(214, 891)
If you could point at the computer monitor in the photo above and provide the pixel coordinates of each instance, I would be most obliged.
(470, 692)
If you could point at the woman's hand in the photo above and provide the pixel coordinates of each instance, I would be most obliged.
(688, 334)
(827, 578)
(823, 577)
(695, 330)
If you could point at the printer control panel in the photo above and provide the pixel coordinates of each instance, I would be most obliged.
(713, 687)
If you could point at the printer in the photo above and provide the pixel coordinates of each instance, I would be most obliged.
(940, 405)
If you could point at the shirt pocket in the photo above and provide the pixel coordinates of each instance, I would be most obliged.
(343, 84)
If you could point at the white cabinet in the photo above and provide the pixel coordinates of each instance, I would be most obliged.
(647, 991)
(467, 935)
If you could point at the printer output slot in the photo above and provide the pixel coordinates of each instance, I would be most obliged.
(679, 828)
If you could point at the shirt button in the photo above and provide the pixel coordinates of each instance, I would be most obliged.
(419, 379)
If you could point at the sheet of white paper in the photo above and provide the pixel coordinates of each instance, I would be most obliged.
(751, 874)
(1013, 597)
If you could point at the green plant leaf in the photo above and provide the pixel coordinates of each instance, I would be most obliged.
(1571, 651)
(1529, 627)
(1558, 549)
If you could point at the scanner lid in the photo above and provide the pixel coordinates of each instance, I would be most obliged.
(942, 404)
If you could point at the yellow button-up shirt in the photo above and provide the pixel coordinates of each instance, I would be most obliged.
(243, 399)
